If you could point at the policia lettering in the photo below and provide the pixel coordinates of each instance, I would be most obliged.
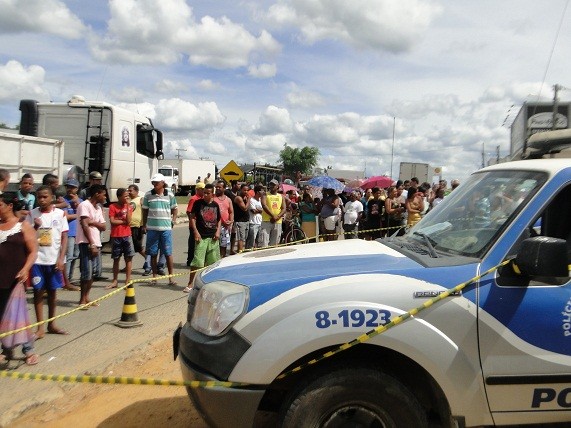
(356, 318)
(547, 395)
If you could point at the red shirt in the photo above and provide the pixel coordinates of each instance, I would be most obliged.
(119, 212)
(191, 202)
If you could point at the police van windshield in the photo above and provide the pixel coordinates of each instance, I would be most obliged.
(477, 212)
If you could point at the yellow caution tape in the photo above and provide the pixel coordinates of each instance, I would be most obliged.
(211, 384)
(119, 380)
(396, 321)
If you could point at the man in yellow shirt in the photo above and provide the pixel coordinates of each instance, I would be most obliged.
(274, 208)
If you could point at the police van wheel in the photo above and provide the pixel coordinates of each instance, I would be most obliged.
(361, 397)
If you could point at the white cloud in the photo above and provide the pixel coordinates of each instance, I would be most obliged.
(262, 71)
(377, 24)
(274, 120)
(18, 81)
(150, 32)
(200, 120)
(39, 16)
(146, 109)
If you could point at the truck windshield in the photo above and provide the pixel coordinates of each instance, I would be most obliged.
(472, 217)
(167, 172)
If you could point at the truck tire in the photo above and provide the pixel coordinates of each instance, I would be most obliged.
(359, 397)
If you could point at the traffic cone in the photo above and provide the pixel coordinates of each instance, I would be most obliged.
(129, 316)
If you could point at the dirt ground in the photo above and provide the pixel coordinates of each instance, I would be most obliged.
(123, 406)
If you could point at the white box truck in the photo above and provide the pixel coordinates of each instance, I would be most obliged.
(409, 170)
(181, 175)
(91, 136)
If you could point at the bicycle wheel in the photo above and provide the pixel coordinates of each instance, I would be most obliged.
(295, 236)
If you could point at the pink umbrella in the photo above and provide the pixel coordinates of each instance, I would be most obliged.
(287, 187)
(354, 184)
(381, 181)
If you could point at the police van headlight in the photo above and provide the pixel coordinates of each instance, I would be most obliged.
(218, 305)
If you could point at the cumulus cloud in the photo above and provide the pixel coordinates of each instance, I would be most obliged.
(18, 81)
(181, 115)
(377, 24)
(39, 16)
(274, 120)
(146, 109)
(149, 31)
(262, 71)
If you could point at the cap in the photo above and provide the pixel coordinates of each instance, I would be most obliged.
(72, 182)
(274, 182)
(95, 175)
(200, 185)
(157, 177)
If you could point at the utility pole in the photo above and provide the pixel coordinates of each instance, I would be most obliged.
(483, 155)
(393, 146)
(497, 154)
(556, 89)
(178, 156)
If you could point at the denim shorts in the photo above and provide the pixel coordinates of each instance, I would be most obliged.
(122, 247)
(85, 262)
(159, 240)
(46, 276)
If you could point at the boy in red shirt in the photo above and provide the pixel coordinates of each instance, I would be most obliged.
(120, 217)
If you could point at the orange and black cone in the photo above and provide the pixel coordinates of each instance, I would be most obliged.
(129, 317)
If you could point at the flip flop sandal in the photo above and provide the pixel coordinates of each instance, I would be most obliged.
(32, 359)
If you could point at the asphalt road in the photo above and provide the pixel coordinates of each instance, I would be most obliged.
(94, 342)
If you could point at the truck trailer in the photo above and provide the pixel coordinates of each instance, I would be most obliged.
(90, 136)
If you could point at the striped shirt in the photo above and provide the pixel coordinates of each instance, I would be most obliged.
(160, 210)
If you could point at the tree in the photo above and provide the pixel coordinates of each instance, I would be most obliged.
(294, 159)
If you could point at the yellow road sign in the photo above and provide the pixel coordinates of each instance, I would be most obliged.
(231, 172)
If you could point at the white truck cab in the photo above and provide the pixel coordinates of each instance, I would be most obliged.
(498, 353)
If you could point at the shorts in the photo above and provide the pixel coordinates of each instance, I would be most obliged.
(206, 252)
(224, 237)
(122, 246)
(86, 262)
(137, 237)
(242, 230)
(159, 240)
(46, 276)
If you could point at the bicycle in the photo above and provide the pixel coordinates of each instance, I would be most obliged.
(292, 232)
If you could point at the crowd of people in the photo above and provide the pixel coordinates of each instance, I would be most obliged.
(44, 233)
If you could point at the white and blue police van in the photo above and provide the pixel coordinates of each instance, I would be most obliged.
(496, 353)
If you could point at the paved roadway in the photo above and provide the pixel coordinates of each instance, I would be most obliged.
(94, 341)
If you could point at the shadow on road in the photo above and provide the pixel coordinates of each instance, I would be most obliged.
(172, 411)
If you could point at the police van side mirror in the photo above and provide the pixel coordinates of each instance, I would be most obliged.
(543, 256)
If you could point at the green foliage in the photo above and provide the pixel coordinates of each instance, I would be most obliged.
(294, 159)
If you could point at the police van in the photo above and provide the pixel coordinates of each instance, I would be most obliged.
(280, 324)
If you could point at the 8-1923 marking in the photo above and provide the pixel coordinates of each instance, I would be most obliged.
(355, 318)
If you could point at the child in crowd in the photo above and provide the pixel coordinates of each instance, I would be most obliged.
(205, 221)
(51, 227)
(120, 214)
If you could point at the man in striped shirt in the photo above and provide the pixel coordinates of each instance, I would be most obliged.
(159, 215)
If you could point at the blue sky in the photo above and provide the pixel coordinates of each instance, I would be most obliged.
(239, 79)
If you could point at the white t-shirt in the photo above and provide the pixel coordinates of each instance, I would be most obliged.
(255, 205)
(86, 209)
(54, 223)
(352, 210)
